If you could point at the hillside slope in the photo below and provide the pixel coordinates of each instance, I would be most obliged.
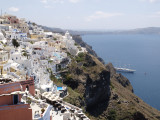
(126, 104)
(103, 93)
(100, 91)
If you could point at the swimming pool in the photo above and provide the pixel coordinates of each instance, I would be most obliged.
(59, 88)
(57, 55)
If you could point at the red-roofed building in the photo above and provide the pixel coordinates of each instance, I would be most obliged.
(13, 20)
(11, 107)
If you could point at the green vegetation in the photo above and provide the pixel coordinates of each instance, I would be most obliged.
(29, 100)
(24, 50)
(111, 85)
(74, 97)
(80, 57)
(49, 70)
(24, 54)
(31, 42)
(4, 45)
(68, 54)
(75, 44)
(80, 49)
(50, 61)
(15, 43)
(112, 115)
(34, 24)
(84, 68)
(42, 110)
(55, 80)
(68, 77)
(55, 39)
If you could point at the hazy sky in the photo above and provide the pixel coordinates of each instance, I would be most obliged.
(87, 14)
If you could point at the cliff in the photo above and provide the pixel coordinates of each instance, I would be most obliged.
(103, 93)
(88, 77)
(126, 104)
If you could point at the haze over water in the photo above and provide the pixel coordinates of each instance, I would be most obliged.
(139, 52)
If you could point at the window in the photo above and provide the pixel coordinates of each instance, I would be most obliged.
(47, 89)
(27, 87)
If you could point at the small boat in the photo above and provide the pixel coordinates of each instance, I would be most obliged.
(124, 70)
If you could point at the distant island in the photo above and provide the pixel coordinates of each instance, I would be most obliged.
(148, 30)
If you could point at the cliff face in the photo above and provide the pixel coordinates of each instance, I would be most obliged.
(103, 93)
(90, 79)
(119, 77)
(126, 104)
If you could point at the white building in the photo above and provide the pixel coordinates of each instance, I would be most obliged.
(3, 56)
(48, 34)
(2, 38)
(4, 27)
(70, 44)
(15, 34)
(34, 29)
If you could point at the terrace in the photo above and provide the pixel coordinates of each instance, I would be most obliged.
(40, 109)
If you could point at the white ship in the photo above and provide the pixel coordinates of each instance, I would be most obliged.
(124, 70)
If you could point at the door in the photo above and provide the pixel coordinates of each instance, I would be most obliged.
(15, 99)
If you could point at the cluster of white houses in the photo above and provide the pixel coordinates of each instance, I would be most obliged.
(38, 53)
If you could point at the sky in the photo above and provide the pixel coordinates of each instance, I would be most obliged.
(87, 14)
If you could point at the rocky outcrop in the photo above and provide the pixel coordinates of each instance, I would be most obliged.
(103, 93)
(139, 116)
(97, 90)
(78, 40)
(119, 77)
(91, 79)
(124, 102)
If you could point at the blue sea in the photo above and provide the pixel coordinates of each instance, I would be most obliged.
(139, 52)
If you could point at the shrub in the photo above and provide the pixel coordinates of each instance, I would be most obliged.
(81, 54)
(68, 77)
(68, 54)
(111, 85)
(15, 43)
(112, 115)
(80, 57)
(42, 110)
(24, 54)
(75, 44)
(31, 42)
(29, 100)
(50, 61)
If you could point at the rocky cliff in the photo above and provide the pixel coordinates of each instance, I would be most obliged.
(125, 103)
(103, 93)
(90, 79)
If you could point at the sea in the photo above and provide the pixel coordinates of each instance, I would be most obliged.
(135, 51)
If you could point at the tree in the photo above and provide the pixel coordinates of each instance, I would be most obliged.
(15, 43)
